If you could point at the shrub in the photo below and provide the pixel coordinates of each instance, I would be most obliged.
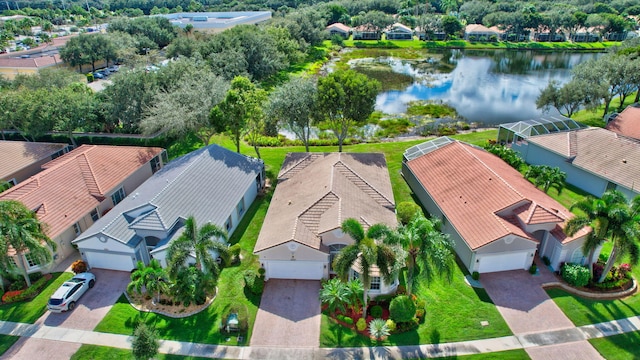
(407, 326)
(32, 291)
(345, 319)
(361, 324)
(391, 325)
(35, 276)
(420, 314)
(533, 269)
(19, 284)
(234, 251)
(402, 309)
(11, 296)
(407, 210)
(546, 261)
(475, 276)
(401, 290)
(254, 282)
(90, 78)
(145, 343)
(79, 266)
(378, 328)
(575, 274)
(376, 311)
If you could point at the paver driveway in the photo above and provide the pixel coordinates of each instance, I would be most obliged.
(289, 314)
(89, 311)
(527, 308)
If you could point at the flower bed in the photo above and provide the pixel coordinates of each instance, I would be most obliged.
(26, 294)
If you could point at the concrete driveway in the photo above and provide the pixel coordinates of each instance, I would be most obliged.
(89, 311)
(527, 308)
(289, 314)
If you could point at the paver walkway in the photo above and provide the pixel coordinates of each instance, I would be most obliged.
(526, 308)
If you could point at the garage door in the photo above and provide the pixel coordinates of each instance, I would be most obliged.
(109, 261)
(504, 262)
(302, 270)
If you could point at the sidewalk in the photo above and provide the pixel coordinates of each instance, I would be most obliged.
(387, 352)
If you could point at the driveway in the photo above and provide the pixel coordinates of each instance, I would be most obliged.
(89, 311)
(527, 309)
(289, 314)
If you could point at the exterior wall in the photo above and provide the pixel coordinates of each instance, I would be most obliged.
(10, 73)
(366, 35)
(335, 237)
(508, 244)
(302, 253)
(334, 31)
(399, 35)
(249, 197)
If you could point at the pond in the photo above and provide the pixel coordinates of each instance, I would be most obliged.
(489, 87)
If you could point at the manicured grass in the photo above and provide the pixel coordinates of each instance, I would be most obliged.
(6, 341)
(518, 354)
(619, 347)
(569, 195)
(595, 118)
(94, 352)
(30, 311)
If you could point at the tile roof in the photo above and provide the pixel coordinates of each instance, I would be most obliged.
(598, 151)
(206, 183)
(477, 28)
(399, 27)
(483, 197)
(317, 191)
(339, 26)
(32, 62)
(72, 185)
(16, 155)
(627, 123)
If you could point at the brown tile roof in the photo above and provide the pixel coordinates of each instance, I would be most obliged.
(75, 183)
(627, 123)
(598, 151)
(33, 62)
(16, 155)
(483, 197)
(477, 28)
(316, 192)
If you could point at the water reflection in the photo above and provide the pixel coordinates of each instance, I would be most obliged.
(491, 87)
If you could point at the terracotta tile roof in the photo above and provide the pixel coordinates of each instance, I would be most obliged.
(339, 26)
(75, 183)
(16, 155)
(598, 151)
(627, 123)
(483, 197)
(316, 192)
(33, 62)
(477, 28)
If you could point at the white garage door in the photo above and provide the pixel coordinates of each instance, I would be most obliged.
(504, 262)
(109, 261)
(302, 270)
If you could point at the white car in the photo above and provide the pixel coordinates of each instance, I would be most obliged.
(65, 298)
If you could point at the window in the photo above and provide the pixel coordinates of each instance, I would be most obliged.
(76, 229)
(375, 283)
(12, 261)
(94, 215)
(240, 207)
(334, 250)
(31, 261)
(155, 164)
(165, 157)
(118, 196)
(228, 224)
(611, 186)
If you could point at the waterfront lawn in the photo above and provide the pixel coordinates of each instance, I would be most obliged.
(595, 118)
(619, 347)
(30, 311)
(108, 353)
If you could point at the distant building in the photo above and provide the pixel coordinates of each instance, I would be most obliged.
(339, 29)
(20, 160)
(217, 21)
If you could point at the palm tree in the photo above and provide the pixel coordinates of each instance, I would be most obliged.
(21, 231)
(365, 253)
(152, 277)
(378, 329)
(547, 176)
(201, 243)
(428, 250)
(335, 294)
(611, 218)
(354, 290)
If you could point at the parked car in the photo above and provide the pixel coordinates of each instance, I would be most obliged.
(98, 75)
(114, 68)
(65, 298)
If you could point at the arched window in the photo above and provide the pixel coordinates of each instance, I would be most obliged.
(577, 257)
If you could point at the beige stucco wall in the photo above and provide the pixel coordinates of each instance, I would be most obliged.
(282, 252)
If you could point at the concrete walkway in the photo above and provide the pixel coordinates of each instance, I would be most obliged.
(529, 341)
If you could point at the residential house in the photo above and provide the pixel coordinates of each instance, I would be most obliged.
(627, 123)
(548, 36)
(339, 29)
(20, 160)
(27, 64)
(594, 159)
(316, 192)
(497, 219)
(430, 35)
(398, 31)
(212, 184)
(215, 22)
(479, 32)
(585, 35)
(76, 189)
(366, 32)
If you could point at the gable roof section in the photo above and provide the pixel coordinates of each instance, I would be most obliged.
(206, 183)
(483, 197)
(316, 192)
(398, 27)
(339, 26)
(627, 123)
(17, 155)
(75, 183)
(478, 28)
(598, 151)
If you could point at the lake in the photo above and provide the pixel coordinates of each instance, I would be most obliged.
(489, 87)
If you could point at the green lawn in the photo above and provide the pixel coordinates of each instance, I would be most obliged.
(619, 347)
(502, 355)
(6, 341)
(30, 311)
(569, 195)
(94, 352)
(595, 117)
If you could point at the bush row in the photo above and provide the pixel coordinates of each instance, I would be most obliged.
(31, 292)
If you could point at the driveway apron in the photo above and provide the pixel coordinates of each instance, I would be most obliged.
(89, 311)
(289, 314)
(527, 308)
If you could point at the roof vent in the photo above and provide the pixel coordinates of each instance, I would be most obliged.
(624, 161)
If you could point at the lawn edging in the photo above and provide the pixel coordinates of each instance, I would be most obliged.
(175, 316)
(594, 295)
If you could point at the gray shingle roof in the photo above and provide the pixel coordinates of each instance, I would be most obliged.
(206, 183)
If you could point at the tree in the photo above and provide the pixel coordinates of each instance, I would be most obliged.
(21, 230)
(152, 277)
(185, 109)
(428, 250)
(611, 218)
(192, 286)
(451, 25)
(346, 98)
(546, 176)
(566, 99)
(145, 343)
(367, 252)
(293, 105)
(75, 108)
(335, 295)
(509, 155)
(203, 243)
